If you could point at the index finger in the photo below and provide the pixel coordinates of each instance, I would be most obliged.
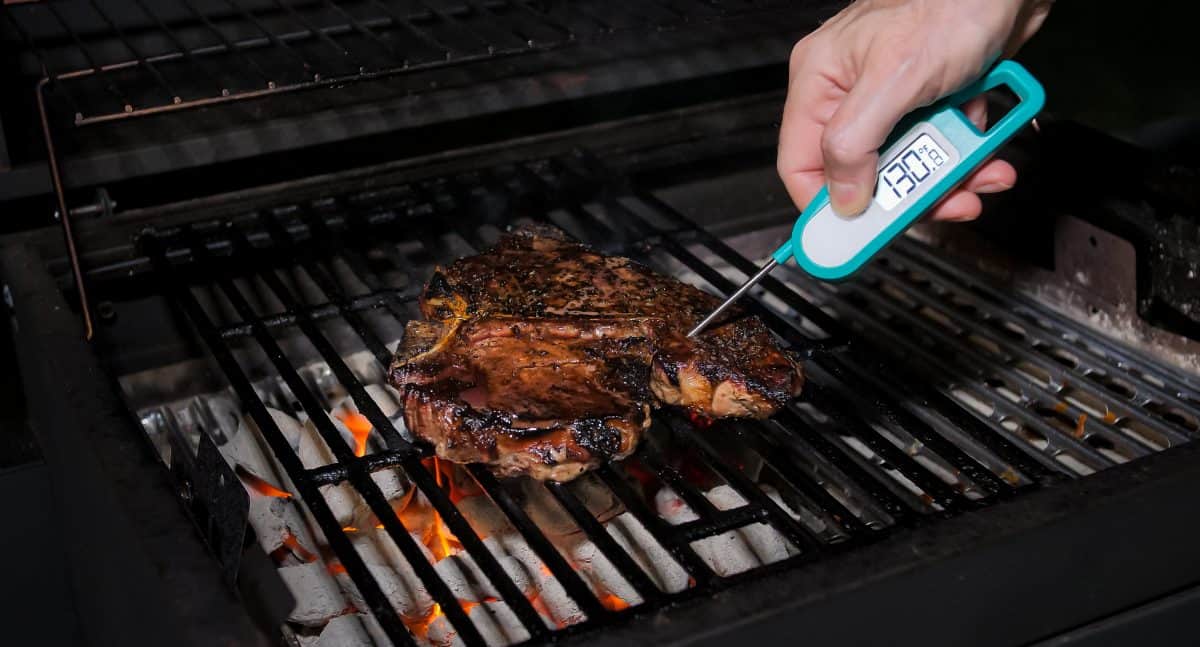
(811, 101)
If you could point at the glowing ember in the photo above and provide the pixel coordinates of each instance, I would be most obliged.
(613, 603)
(336, 568)
(441, 541)
(700, 421)
(259, 485)
(349, 529)
(360, 428)
(298, 549)
(1081, 425)
(420, 628)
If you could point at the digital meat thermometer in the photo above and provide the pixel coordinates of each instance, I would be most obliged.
(930, 153)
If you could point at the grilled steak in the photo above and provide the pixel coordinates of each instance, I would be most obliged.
(547, 397)
(527, 345)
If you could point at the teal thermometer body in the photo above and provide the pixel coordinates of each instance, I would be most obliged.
(932, 151)
(929, 154)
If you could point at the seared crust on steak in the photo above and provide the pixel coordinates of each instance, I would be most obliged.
(541, 356)
(734, 368)
(549, 398)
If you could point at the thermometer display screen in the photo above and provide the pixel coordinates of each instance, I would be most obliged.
(908, 170)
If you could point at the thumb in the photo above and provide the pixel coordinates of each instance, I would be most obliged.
(851, 140)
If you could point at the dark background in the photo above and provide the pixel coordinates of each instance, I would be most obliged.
(1125, 67)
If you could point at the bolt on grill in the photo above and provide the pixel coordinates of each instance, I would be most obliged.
(928, 394)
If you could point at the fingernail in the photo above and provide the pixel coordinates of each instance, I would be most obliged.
(994, 187)
(847, 198)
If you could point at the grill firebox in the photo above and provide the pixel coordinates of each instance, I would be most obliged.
(965, 466)
(929, 395)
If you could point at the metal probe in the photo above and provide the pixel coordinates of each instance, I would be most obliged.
(751, 282)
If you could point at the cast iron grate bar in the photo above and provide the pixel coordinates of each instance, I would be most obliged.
(450, 514)
(997, 444)
(1043, 331)
(1011, 410)
(308, 255)
(616, 555)
(1037, 392)
(355, 567)
(366, 487)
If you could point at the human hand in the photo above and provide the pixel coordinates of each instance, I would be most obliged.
(855, 77)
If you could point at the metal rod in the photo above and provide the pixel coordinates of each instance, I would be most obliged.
(737, 294)
(356, 568)
(64, 214)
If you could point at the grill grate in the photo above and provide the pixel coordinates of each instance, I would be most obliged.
(871, 445)
(115, 59)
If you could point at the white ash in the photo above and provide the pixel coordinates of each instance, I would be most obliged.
(394, 573)
(275, 520)
(650, 555)
(343, 631)
(601, 574)
(340, 497)
(407, 596)
(767, 544)
(726, 554)
(485, 518)
(467, 580)
(318, 597)
(553, 520)
(495, 621)
(563, 609)
(247, 448)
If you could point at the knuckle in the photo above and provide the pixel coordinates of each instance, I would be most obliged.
(838, 146)
(800, 52)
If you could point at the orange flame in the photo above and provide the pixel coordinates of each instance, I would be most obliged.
(1081, 426)
(336, 568)
(613, 603)
(298, 549)
(258, 484)
(349, 529)
(360, 428)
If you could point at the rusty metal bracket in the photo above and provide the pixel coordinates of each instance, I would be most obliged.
(64, 214)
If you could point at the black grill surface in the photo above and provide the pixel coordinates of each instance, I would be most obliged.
(930, 394)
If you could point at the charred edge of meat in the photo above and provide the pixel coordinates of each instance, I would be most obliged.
(568, 449)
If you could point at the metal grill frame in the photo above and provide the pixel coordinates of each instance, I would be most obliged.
(834, 364)
(941, 538)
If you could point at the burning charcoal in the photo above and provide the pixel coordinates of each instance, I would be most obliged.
(403, 588)
(358, 433)
(605, 577)
(803, 516)
(485, 518)
(552, 598)
(726, 554)
(405, 594)
(563, 609)
(313, 453)
(666, 573)
(279, 523)
(495, 621)
(553, 520)
(318, 597)
(342, 631)
(467, 581)
(247, 448)
(768, 545)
